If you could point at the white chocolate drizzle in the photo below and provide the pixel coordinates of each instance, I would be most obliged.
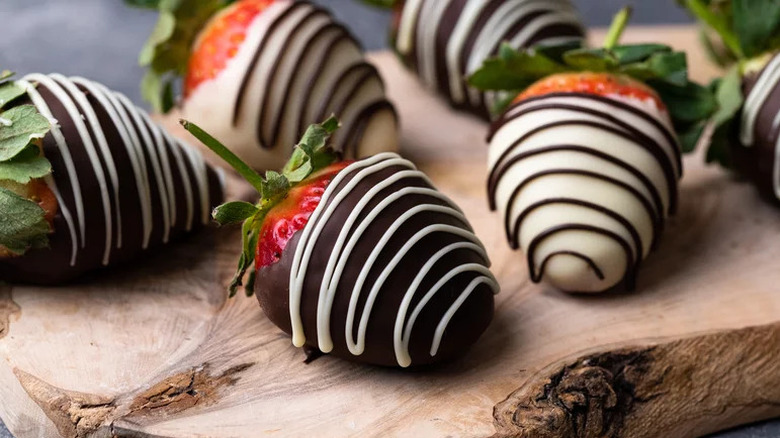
(91, 156)
(351, 233)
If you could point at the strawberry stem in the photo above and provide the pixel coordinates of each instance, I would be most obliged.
(212, 143)
(619, 24)
(718, 23)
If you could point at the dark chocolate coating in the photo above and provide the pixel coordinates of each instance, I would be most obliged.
(477, 37)
(99, 131)
(757, 161)
(273, 283)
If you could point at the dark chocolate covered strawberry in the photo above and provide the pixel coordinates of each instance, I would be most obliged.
(256, 73)
(364, 259)
(745, 36)
(444, 41)
(87, 180)
(585, 159)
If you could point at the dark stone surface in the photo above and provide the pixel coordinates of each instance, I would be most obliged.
(100, 39)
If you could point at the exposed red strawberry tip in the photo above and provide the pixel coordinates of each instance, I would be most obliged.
(292, 214)
(220, 41)
(603, 84)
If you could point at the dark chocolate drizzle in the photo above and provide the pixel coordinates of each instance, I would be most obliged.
(613, 122)
(272, 118)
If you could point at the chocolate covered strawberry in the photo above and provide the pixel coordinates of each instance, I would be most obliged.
(585, 158)
(745, 36)
(87, 180)
(444, 41)
(256, 73)
(362, 259)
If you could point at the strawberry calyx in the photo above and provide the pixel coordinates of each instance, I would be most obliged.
(640, 71)
(287, 198)
(741, 36)
(27, 205)
(292, 214)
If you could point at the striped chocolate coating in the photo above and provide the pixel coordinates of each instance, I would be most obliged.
(444, 41)
(296, 67)
(584, 184)
(387, 271)
(122, 183)
(758, 153)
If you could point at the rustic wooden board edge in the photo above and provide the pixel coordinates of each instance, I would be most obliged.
(657, 390)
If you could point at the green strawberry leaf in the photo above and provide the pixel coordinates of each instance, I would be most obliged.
(756, 23)
(10, 91)
(276, 185)
(689, 104)
(22, 169)
(716, 51)
(312, 151)
(728, 92)
(158, 91)
(638, 52)
(19, 127)
(666, 67)
(22, 221)
(594, 60)
(234, 212)
(310, 155)
(514, 69)
(555, 52)
(23, 225)
(690, 136)
(718, 16)
(167, 51)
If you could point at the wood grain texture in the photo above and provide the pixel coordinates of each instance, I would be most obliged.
(157, 350)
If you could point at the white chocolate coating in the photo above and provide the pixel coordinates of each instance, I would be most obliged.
(445, 41)
(584, 184)
(296, 67)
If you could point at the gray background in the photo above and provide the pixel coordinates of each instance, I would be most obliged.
(100, 39)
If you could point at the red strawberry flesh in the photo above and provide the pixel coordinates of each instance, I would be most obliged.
(602, 84)
(220, 40)
(292, 214)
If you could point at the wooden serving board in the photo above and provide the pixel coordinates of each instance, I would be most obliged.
(156, 349)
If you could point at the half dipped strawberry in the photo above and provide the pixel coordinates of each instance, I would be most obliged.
(585, 156)
(256, 73)
(364, 260)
